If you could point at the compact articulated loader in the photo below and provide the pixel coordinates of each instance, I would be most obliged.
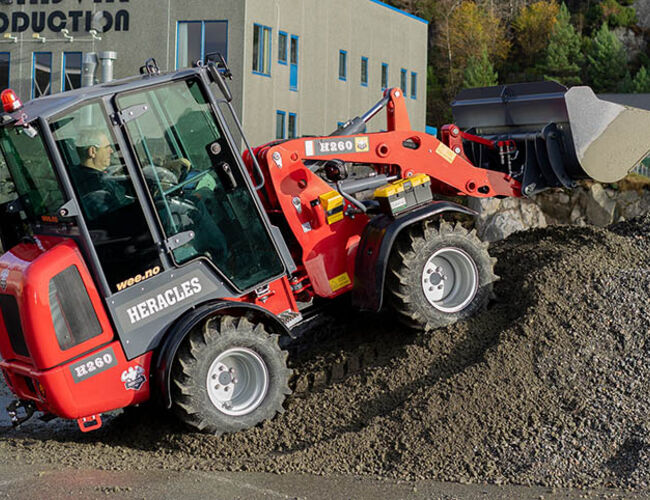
(147, 259)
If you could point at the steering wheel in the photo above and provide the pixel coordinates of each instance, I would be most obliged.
(186, 182)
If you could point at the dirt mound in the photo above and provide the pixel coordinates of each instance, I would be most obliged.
(550, 386)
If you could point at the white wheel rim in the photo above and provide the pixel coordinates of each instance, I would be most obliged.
(238, 381)
(450, 280)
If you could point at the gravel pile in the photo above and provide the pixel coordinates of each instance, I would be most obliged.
(549, 386)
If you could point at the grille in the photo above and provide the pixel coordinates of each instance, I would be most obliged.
(11, 315)
(72, 312)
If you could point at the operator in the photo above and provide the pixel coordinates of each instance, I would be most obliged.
(99, 191)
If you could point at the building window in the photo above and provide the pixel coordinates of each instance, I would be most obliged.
(71, 74)
(384, 76)
(282, 47)
(414, 85)
(343, 65)
(198, 39)
(293, 126)
(364, 71)
(41, 74)
(261, 50)
(402, 81)
(293, 61)
(280, 122)
(4, 70)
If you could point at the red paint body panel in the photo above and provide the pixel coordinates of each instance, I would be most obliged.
(66, 398)
(31, 267)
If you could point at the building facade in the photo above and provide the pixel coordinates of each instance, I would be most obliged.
(300, 67)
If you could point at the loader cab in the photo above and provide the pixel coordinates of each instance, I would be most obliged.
(144, 175)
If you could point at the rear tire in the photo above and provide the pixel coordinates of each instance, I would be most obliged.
(438, 276)
(229, 376)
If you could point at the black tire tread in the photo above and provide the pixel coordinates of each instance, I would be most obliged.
(401, 283)
(189, 394)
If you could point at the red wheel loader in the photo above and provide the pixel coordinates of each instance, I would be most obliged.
(147, 259)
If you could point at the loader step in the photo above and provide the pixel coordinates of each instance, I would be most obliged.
(290, 318)
(90, 423)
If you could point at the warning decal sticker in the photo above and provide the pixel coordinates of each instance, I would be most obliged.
(339, 282)
(446, 153)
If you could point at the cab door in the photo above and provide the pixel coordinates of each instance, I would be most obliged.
(201, 194)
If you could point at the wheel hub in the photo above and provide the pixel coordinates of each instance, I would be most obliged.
(450, 279)
(237, 381)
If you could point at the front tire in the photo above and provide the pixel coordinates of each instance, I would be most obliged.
(229, 376)
(438, 276)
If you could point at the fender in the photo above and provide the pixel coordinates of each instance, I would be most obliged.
(375, 247)
(164, 357)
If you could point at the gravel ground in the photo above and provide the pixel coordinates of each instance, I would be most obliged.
(549, 386)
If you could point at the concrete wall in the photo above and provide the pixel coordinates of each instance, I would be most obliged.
(362, 28)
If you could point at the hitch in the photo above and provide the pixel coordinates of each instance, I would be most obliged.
(13, 410)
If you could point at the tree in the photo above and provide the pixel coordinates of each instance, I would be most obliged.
(465, 31)
(533, 28)
(479, 71)
(606, 61)
(641, 82)
(422, 8)
(613, 12)
(563, 54)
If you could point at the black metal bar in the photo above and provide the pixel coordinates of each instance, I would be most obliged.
(141, 192)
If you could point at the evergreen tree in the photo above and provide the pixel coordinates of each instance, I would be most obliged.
(563, 54)
(606, 61)
(479, 72)
(641, 82)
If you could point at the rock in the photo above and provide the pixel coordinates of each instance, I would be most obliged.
(532, 215)
(600, 208)
(642, 8)
(556, 205)
(501, 225)
(631, 204)
(633, 44)
(485, 206)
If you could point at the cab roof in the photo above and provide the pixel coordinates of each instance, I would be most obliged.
(51, 105)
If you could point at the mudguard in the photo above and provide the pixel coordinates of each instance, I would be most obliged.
(375, 247)
(164, 357)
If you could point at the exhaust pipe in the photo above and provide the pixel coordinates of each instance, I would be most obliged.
(561, 135)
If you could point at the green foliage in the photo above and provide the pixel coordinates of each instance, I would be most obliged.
(468, 29)
(438, 110)
(479, 71)
(614, 13)
(533, 26)
(606, 61)
(641, 82)
(563, 54)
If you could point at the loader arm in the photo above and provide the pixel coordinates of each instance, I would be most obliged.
(325, 219)
(402, 151)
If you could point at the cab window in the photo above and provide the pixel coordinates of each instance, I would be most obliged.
(32, 172)
(106, 195)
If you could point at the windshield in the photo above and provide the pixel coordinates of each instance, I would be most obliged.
(32, 172)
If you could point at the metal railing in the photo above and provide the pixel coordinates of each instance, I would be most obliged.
(642, 168)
